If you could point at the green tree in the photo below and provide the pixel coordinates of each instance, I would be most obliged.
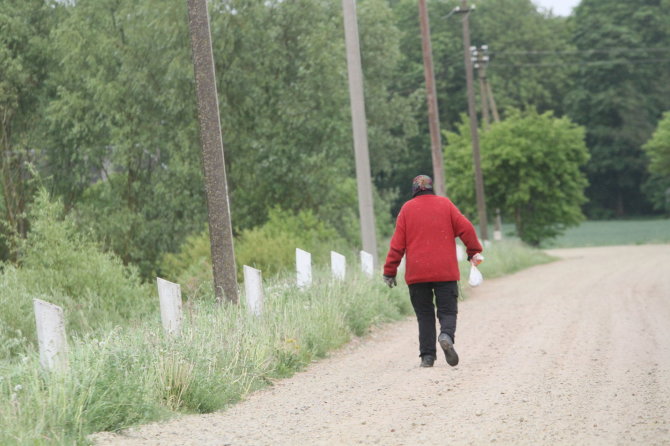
(123, 132)
(123, 128)
(284, 107)
(658, 150)
(281, 70)
(531, 167)
(511, 29)
(390, 113)
(620, 89)
(25, 62)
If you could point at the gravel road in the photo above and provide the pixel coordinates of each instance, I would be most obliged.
(576, 352)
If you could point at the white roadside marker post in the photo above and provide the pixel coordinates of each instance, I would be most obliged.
(338, 265)
(253, 287)
(367, 263)
(170, 300)
(303, 263)
(51, 335)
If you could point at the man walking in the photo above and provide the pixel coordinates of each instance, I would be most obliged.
(425, 232)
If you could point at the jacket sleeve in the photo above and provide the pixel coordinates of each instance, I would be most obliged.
(464, 230)
(397, 248)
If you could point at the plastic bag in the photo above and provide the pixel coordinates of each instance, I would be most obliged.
(476, 277)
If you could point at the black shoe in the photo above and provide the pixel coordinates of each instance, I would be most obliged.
(427, 361)
(448, 346)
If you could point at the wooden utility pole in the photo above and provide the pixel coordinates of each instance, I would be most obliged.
(360, 130)
(480, 65)
(489, 95)
(216, 187)
(474, 131)
(431, 97)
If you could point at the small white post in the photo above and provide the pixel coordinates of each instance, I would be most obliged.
(460, 253)
(367, 263)
(253, 287)
(497, 227)
(338, 265)
(170, 299)
(51, 335)
(303, 263)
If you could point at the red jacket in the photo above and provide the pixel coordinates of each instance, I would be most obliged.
(426, 231)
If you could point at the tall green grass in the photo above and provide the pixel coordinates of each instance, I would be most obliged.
(66, 268)
(507, 257)
(136, 374)
(502, 258)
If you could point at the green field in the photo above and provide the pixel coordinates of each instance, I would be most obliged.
(607, 233)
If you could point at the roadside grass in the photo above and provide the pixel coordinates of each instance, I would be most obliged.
(502, 258)
(135, 374)
(507, 257)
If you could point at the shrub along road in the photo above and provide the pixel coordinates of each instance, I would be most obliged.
(572, 352)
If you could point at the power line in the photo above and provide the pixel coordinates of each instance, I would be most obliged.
(594, 51)
(587, 62)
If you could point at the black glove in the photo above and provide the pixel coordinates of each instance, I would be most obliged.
(390, 281)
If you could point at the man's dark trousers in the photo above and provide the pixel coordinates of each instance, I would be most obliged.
(446, 300)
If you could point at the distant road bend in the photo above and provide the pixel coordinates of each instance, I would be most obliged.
(573, 352)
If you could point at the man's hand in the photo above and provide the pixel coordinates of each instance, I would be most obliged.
(390, 281)
(476, 259)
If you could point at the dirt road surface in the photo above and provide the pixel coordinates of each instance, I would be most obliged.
(576, 352)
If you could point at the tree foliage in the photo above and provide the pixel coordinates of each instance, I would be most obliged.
(123, 134)
(531, 167)
(25, 63)
(658, 150)
(98, 96)
(507, 28)
(620, 89)
(64, 265)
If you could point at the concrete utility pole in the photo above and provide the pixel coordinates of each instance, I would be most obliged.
(479, 180)
(480, 65)
(431, 97)
(485, 86)
(216, 187)
(360, 130)
(489, 95)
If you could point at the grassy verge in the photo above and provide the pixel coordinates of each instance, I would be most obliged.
(135, 374)
(503, 258)
(507, 257)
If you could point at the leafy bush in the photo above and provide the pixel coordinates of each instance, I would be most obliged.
(64, 267)
(270, 248)
(531, 167)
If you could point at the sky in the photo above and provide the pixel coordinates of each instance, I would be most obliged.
(559, 7)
